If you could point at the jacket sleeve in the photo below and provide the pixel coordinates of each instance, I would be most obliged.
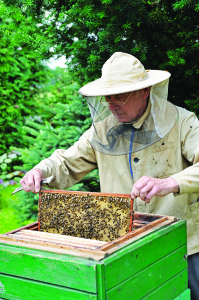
(71, 165)
(188, 179)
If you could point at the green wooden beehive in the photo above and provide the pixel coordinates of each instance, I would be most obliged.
(147, 263)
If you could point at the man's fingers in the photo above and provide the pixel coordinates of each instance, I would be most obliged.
(145, 191)
(139, 188)
(37, 183)
(148, 187)
(135, 193)
(32, 181)
(25, 183)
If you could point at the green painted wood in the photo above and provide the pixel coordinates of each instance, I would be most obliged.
(144, 266)
(170, 289)
(150, 278)
(186, 295)
(15, 288)
(64, 270)
(143, 252)
(101, 282)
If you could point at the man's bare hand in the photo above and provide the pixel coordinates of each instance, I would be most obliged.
(148, 187)
(32, 181)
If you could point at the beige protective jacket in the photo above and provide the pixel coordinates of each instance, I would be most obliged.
(176, 155)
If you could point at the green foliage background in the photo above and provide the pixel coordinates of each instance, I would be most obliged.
(163, 34)
(21, 73)
(41, 109)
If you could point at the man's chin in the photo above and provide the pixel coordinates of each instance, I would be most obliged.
(122, 118)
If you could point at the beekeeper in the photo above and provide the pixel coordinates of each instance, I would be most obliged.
(141, 143)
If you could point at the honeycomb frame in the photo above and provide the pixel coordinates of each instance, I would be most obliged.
(98, 216)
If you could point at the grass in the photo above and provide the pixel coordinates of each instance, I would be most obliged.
(9, 217)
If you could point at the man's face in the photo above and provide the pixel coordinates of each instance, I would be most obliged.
(132, 109)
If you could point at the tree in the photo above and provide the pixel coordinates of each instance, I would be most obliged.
(22, 73)
(163, 34)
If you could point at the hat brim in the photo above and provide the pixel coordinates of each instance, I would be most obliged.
(98, 88)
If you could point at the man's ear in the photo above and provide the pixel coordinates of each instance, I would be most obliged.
(146, 92)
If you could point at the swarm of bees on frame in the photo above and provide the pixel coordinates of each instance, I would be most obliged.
(87, 216)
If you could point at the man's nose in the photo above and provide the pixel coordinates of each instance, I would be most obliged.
(113, 106)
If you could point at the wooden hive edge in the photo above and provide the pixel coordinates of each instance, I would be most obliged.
(110, 247)
(32, 226)
(88, 255)
(57, 239)
(48, 244)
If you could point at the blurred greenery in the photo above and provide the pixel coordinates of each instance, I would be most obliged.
(22, 74)
(163, 34)
(8, 214)
(8, 175)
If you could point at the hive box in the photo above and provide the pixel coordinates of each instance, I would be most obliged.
(146, 263)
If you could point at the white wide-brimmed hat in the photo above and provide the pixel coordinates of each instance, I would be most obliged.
(123, 73)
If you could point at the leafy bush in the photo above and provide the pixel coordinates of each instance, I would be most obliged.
(22, 73)
(8, 175)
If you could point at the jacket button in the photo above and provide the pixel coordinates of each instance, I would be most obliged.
(136, 159)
